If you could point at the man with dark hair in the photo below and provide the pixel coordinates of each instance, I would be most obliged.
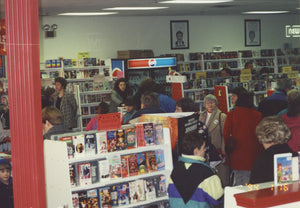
(65, 102)
(149, 104)
(226, 72)
(194, 183)
(52, 122)
(276, 102)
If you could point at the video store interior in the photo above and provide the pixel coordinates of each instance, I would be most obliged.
(149, 103)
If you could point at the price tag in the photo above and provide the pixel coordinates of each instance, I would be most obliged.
(245, 77)
(292, 74)
(246, 71)
(199, 75)
(286, 69)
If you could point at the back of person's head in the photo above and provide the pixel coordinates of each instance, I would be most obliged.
(49, 91)
(284, 84)
(227, 71)
(292, 94)
(190, 141)
(62, 81)
(248, 65)
(4, 164)
(52, 115)
(186, 104)
(294, 108)
(272, 129)
(245, 100)
(211, 97)
(238, 91)
(149, 84)
(129, 101)
(150, 100)
(103, 108)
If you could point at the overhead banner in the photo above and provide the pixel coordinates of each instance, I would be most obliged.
(151, 63)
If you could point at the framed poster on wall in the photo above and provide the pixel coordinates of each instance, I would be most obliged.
(252, 32)
(179, 34)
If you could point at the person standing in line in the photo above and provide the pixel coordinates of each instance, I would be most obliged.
(214, 119)
(276, 102)
(292, 120)
(118, 95)
(167, 104)
(274, 134)
(241, 123)
(52, 122)
(66, 103)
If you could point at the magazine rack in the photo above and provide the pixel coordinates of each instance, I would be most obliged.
(58, 186)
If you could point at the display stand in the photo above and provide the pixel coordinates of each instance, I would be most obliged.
(57, 177)
(58, 186)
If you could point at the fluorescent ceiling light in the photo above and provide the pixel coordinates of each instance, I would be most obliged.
(266, 12)
(87, 13)
(135, 8)
(195, 1)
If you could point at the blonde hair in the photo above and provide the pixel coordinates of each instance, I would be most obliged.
(272, 129)
(53, 115)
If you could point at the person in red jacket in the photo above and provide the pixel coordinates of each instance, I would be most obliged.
(292, 120)
(241, 124)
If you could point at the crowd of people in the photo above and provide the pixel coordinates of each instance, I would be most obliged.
(242, 142)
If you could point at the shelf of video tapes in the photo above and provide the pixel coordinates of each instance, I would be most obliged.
(127, 167)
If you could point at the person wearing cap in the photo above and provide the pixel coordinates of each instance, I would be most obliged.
(130, 110)
(6, 187)
(276, 102)
(65, 102)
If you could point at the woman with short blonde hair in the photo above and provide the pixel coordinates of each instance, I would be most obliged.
(274, 134)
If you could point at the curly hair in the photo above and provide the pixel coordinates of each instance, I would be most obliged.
(272, 129)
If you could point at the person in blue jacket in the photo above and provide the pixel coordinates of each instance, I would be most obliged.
(167, 104)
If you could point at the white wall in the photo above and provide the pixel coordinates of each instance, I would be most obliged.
(103, 36)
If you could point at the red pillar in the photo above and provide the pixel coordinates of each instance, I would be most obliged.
(22, 26)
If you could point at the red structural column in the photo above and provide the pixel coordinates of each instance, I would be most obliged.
(23, 73)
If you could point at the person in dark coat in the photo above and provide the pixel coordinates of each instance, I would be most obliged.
(276, 102)
(274, 134)
(6, 187)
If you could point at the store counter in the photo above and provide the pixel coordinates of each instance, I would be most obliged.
(263, 195)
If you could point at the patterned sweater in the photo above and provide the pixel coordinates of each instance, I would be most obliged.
(194, 184)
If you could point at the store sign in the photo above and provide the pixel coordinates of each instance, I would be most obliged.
(151, 63)
(292, 31)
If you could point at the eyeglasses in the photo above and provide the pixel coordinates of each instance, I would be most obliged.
(210, 103)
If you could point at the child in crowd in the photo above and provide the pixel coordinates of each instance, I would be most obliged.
(6, 188)
(193, 183)
(130, 110)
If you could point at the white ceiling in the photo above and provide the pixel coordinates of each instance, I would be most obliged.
(53, 7)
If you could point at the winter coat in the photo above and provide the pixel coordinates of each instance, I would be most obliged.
(241, 124)
(294, 124)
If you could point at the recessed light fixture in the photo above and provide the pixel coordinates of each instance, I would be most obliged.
(266, 12)
(134, 8)
(195, 1)
(87, 13)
